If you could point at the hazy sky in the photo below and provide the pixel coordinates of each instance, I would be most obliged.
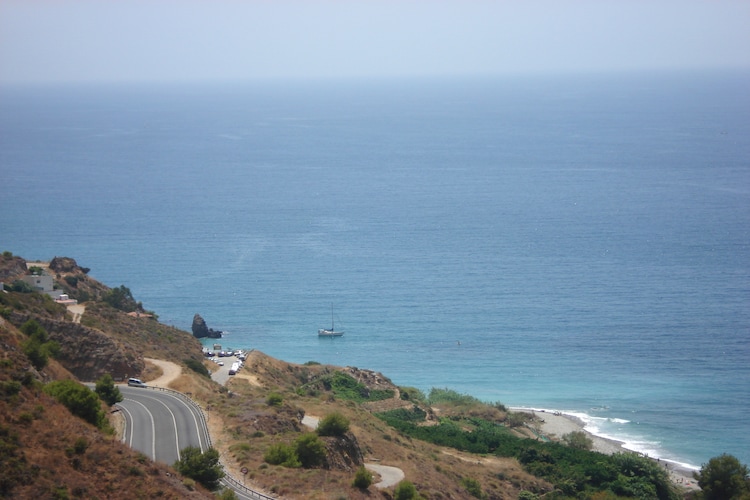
(117, 40)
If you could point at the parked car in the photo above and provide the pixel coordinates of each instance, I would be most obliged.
(136, 382)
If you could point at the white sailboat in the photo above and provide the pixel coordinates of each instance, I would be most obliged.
(323, 332)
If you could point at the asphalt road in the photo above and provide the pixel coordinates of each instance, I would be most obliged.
(161, 423)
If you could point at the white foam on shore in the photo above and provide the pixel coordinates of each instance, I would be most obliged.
(637, 444)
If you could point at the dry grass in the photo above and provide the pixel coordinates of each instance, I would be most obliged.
(236, 425)
(151, 372)
(59, 455)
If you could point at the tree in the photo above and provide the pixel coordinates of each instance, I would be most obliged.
(203, 467)
(362, 479)
(724, 478)
(79, 399)
(38, 348)
(107, 391)
(311, 451)
(334, 424)
(120, 298)
(21, 286)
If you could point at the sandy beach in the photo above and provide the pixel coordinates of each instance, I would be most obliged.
(555, 425)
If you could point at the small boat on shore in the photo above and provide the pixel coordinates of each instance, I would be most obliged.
(324, 332)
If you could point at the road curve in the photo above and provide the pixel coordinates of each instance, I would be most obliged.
(389, 476)
(161, 423)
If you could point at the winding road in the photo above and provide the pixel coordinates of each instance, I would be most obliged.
(161, 423)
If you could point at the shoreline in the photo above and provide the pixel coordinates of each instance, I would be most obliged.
(556, 424)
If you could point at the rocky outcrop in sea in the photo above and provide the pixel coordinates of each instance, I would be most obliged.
(201, 330)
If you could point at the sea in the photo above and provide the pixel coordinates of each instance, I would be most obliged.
(578, 243)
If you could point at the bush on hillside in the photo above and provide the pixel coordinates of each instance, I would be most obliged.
(406, 491)
(197, 367)
(310, 450)
(578, 439)
(346, 387)
(121, 298)
(281, 454)
(79, 399)
(333, 424)
(362, 479)
(473, 487)
(274, 399)
(575, 472)
(203, 467)
(20, 286)
(38, 348)
(724, 477)
(107, 390)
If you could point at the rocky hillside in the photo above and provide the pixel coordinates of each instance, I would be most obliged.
(108, 339)
(46, 452)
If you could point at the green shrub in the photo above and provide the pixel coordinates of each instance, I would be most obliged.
(346, 387)
(528, 495)
(197, 367)
(80, 446)
(575, 472)
(281, 454)
(724, 477)
(20, 286)
(412, 394)
(333, 424)
(310, 450)
(517, 419)
(578, 439)
(37, 347)
(203, 467)
(120, 298)
(274, 399)
(473, 487)
(362, 478)
(79, 399)
(415, 414)
(450, 396)
(9, 388)
(107, 391)
(405, 491)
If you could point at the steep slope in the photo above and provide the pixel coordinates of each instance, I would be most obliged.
(46, 452)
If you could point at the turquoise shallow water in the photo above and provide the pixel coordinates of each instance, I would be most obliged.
(579, 244)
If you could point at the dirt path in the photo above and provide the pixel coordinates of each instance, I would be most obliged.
(77, 311)
(311, 421)
(388, 475)
(170, 372)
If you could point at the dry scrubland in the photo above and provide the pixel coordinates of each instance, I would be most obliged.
(49, 453)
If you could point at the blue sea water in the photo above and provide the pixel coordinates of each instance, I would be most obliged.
(572, 243)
